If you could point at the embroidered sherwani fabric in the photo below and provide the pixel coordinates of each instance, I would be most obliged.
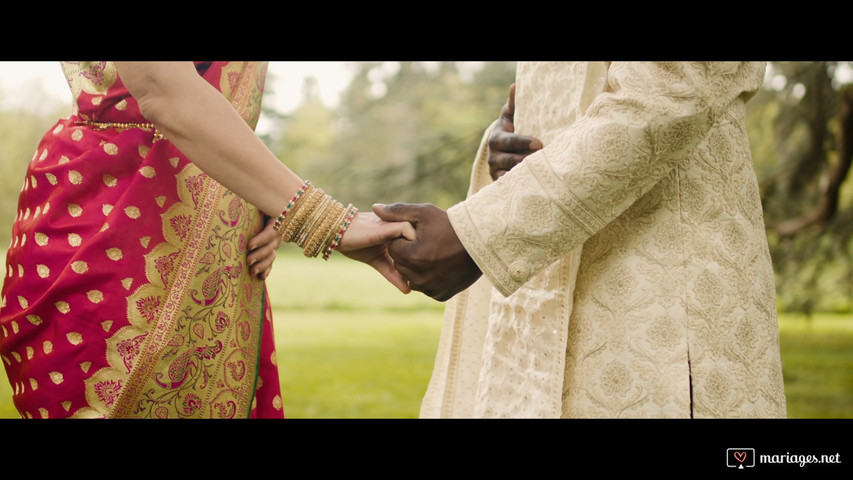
(127, 293)
(626, 268)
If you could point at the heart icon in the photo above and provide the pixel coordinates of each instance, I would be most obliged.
(740, 456)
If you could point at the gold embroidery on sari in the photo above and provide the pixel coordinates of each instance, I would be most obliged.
(192, 346)
(191, 349)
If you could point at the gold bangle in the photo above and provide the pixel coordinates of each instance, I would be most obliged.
(315, 216)
(303, 210)
(290, 206)
(314, 221)
(351, 212)
(324, 231)
(314, 236)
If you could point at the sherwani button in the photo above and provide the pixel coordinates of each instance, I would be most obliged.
(519, 271)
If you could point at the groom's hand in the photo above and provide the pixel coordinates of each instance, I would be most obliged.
(506, 148)
(435, 263)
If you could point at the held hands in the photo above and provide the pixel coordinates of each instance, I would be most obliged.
(506, 149)
(367, 240)
(435, 262)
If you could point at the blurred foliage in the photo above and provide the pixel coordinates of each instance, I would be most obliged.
(801, 141)
(404, 131)
(408, 131)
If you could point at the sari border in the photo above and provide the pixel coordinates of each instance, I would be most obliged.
(158, 337)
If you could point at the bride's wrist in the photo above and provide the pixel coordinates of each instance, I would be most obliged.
(314, 221)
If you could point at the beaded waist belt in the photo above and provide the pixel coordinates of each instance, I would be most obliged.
(123, 126)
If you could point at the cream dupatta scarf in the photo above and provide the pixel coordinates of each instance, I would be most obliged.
(505, 356)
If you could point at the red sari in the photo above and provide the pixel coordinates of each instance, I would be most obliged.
(127, 293)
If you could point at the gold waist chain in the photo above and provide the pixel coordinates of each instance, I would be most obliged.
(123, 126)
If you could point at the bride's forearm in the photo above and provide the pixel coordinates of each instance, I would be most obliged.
(202, 124)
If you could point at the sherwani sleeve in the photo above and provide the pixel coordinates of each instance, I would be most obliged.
(631, 136)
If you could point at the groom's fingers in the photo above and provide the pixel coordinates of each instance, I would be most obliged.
(397, 212)
(400, 249)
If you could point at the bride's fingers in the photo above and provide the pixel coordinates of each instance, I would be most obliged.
(396, 230)
(385, 267)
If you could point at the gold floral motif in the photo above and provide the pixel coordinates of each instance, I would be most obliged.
(79, 267)
(75, 210)
(75, 177)
(109, 180)
(74, 239)
(43, 270)
(41, 239)
(95, 296)
(63, 307)
(132, 212)
(94, 78)
(74, 338)
(56, 377)
(114, 254)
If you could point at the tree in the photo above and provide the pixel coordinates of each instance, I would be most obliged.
(408, 131)
(802, 130)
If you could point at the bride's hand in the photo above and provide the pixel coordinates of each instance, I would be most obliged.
(366, 240)
(262, 250)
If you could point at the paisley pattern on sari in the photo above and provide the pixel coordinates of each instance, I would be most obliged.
(127, 293)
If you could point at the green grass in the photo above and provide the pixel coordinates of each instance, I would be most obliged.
(351, 346)
(817, 358)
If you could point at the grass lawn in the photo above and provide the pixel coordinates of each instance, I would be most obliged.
(351, 346)
(817, 364)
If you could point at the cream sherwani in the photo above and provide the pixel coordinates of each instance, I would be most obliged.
(626, 267)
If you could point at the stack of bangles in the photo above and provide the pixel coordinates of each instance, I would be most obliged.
(314, 221)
